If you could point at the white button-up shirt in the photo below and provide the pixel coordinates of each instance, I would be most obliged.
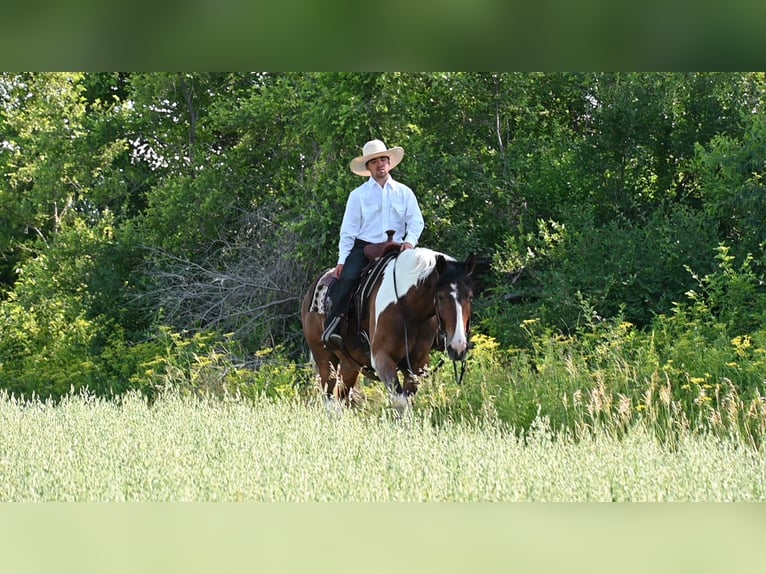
(372, 209)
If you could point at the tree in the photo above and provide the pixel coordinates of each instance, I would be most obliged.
(130, 201)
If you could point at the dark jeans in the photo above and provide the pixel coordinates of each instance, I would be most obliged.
(352, 269)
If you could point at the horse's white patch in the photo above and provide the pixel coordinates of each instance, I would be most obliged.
(333, 407)
(410, 268)
(459, 340)
(401, 405)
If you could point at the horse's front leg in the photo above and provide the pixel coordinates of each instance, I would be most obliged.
(348, 378)
(411, 383)
(337, 396)
(420, 360)
(386, 369)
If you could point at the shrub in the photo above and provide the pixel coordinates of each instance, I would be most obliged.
(683, 374)
(633, 269)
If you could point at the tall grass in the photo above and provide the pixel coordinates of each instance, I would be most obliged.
(185, 448)
(610, 380)
(700, 368)
(672, 412)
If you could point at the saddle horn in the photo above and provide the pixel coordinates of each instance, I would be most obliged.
(375, 250)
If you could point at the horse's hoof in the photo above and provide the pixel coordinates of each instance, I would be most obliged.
(400, 403)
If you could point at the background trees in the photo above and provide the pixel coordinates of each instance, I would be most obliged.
(203, 203)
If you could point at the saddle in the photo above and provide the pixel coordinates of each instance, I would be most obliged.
(360, 293)
(379, 254)
(376, 250)
(370, 275)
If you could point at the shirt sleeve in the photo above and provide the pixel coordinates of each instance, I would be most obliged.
(349, 227)
(415, 223)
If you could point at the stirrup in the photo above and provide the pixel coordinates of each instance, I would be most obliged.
(330, 337)
(335, 341)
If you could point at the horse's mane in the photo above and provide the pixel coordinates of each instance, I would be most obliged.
(415, 265)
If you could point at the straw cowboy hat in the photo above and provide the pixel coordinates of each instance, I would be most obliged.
(371, 150)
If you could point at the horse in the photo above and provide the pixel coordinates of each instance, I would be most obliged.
(418, 300)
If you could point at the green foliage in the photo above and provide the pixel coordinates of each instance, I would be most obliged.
(193, 364)
(45, 349)
(643, 129)
(593, 195)
(733, 296)
(716, 337)
(611, 377)
(65, 318)
(730, 171)
(205, 365)
(276, 376)
(632, 270)
(701, 368)
(48, 335)
(492, 389)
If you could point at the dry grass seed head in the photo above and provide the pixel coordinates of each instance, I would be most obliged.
(625, 409)
(665, 392)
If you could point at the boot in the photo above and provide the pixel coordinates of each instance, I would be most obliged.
(331, 336)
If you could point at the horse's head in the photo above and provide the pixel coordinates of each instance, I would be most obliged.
(454, 305)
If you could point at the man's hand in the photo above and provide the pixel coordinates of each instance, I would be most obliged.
(338, 270)
(405, 246)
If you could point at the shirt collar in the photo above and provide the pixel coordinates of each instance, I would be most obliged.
(389, 181)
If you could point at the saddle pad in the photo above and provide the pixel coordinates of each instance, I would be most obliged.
(319, 302)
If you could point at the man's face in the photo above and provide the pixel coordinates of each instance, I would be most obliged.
(378, 167)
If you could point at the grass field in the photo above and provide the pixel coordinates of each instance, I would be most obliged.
(185, 449)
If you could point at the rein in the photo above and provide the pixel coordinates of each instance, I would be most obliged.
(404, 321)
(458, 377)
(442, 334)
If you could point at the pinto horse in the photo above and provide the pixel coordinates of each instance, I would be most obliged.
(421, 300)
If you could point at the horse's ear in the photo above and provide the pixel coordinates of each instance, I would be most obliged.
(470, 263)
(441, 264)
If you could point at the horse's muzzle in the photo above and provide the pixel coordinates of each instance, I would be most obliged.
(457, 350)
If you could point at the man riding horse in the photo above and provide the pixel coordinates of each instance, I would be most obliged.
(409, 303)
(381, 204)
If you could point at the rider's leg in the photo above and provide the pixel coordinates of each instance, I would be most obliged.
(339, 293)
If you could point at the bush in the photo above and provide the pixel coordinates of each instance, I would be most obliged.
(625, 269)
(729, 172)
(206, 365)
(693, 369)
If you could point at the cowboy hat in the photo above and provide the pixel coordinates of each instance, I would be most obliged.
(371, 150)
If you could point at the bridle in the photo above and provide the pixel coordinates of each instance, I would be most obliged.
(441, 337)
(441, 334)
